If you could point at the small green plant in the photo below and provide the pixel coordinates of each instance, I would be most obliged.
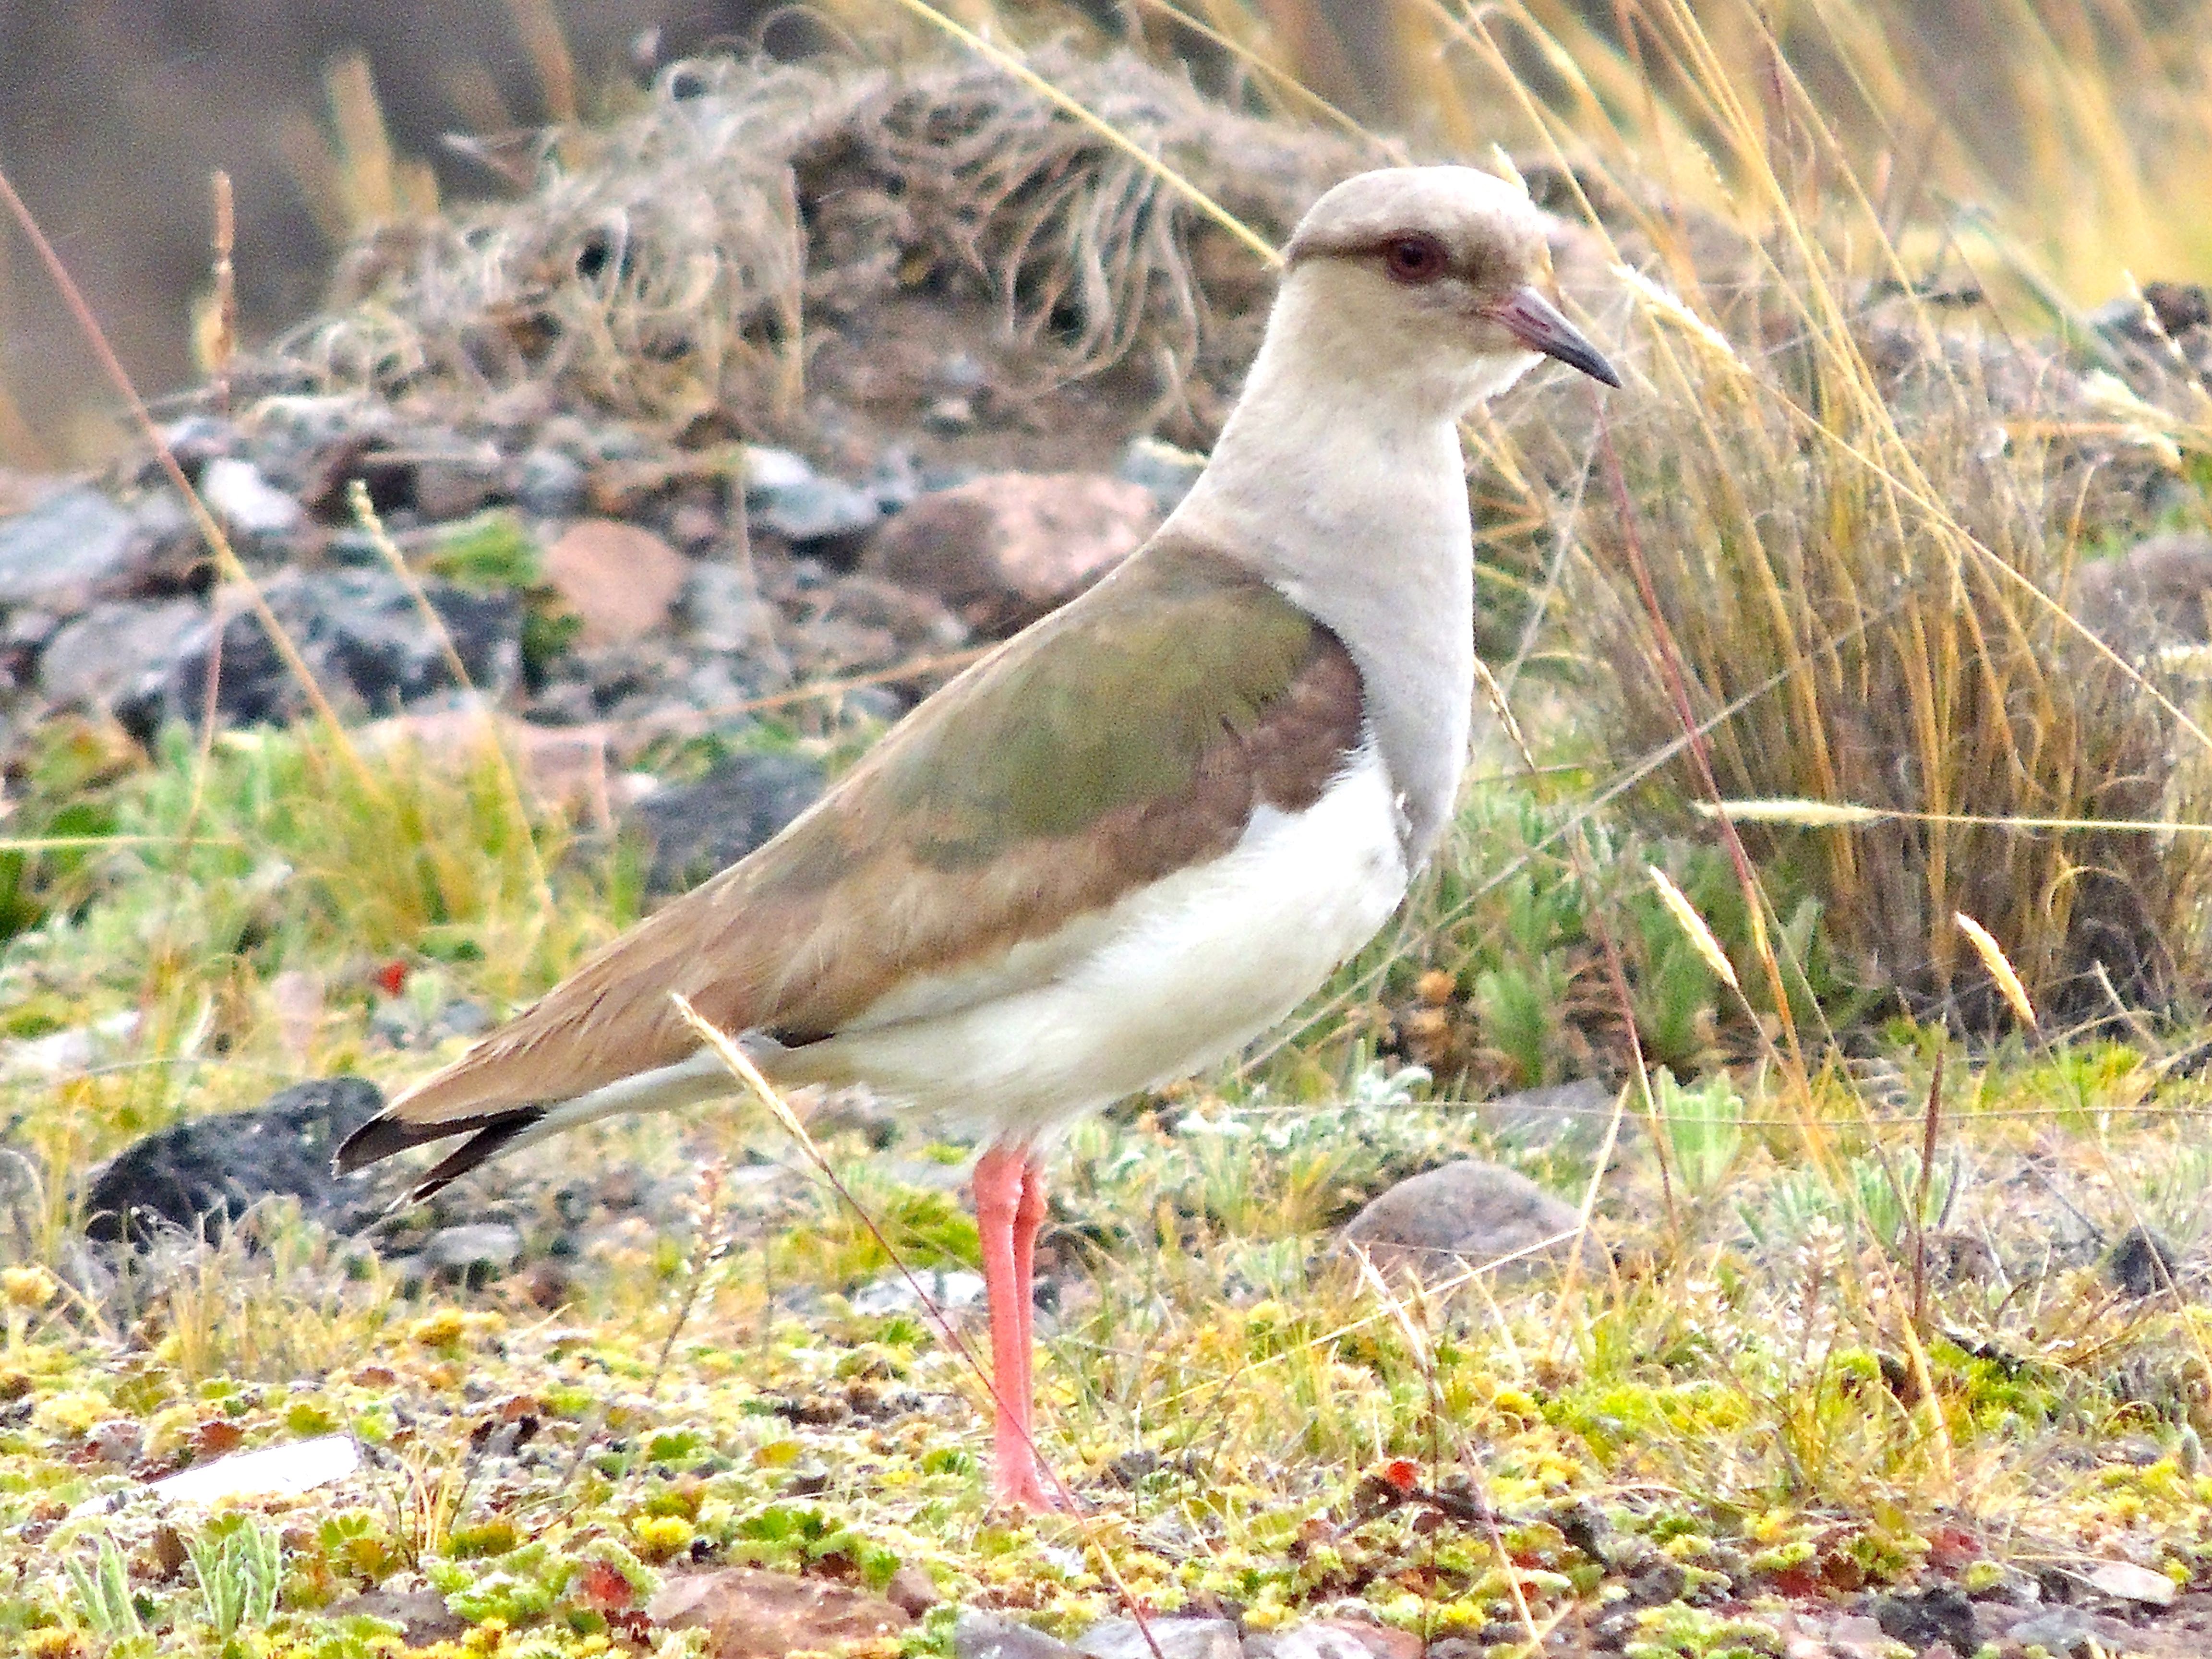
(103, 1594)
(238, 1561)
(1705, 1127)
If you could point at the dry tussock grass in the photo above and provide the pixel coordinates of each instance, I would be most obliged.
(669, 268)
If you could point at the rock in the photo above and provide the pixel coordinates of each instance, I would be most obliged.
(451, 483)
(1854, 1635)
(911, 1590)
(950, 1288)
(621, 581)
(1002, 550)
(247, 503)
(2143, 1263)
(786, 497)
(423, 1616)
(697, 828)
(363, 636)
(216, 1167)
(1177, 1638)
(1335, 1638)
(1560, 1117)
(993, 1635)
(273, 1471)
(749, 1613)
(60, 1053)
(1940, 1614)
(1466, 1214)
(115, 652)
(724, 610)
(549, 483)
(2158, 592)
(72, 548)
(1166, 471)
(2063, 1632)
(475, 1251)
(2130, 1582)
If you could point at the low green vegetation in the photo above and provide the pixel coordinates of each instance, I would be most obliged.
(1900, 1282)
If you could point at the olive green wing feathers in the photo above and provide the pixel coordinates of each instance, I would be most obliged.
(1127, 735)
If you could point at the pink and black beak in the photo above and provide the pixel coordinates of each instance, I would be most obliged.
(1536, 323)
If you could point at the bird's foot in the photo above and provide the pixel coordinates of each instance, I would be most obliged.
(1016, 1484)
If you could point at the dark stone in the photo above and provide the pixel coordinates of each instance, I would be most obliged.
(697, 828)
(214, 1168)
(1920, 1617)
(1657, 1583)
(67, 550)
(1132, 1466)
(363, 636)
(2143, 1263)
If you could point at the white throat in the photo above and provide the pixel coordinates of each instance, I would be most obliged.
(1343, 482)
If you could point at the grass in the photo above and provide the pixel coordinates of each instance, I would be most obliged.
(1858, 1333)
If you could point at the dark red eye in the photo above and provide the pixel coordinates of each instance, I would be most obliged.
(1415, 259)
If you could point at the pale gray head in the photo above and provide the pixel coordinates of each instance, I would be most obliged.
(1426, 282)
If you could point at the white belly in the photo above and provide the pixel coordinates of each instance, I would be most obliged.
(1170, 981)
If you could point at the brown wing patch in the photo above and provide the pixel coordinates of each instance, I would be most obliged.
(807, 933)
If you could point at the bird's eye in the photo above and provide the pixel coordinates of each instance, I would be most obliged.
(1415, 259)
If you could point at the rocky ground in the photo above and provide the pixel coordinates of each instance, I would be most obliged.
(657, 1381)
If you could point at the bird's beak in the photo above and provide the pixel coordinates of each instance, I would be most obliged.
(1536, 323)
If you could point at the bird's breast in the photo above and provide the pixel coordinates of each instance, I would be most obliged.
(1171, 978)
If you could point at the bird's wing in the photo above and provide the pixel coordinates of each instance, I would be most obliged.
(1131, 733)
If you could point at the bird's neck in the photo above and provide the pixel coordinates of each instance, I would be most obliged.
(1352, 500)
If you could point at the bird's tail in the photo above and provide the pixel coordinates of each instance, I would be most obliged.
(688, 1081)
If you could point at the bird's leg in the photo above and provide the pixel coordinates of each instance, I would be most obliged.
(1002, 1182)
(1029, 1216)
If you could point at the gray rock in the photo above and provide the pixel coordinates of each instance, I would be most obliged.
(723, 609)
(247, 503)
(1166, 471)
(950, 1288)
(70, 549)
(1467, 1214)
(360, 633)
(1335, 1638)
(2061, 1632)
(474, 1249)
(551, 484)
(1922, 1618)
(116, 651)
(214, 1168)
(1563, 1117)
(993, 1635)
(786, 497)
(421, 1614)
(453, 483)
(2157, 592)
(697, 828)
(1177, 1638)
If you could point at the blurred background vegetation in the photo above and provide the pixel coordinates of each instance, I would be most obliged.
(2068, 136)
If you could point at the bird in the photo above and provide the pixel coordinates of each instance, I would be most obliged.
(1138, 833)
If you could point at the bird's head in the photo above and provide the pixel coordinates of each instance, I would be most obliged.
(1428, 283)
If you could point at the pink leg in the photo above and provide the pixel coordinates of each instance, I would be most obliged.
(1009, 1207)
